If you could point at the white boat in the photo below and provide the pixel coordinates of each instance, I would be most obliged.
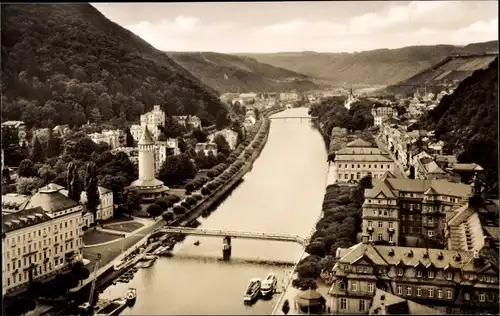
(85, 307)
(131, 294)
(253, 290)
(150, 257)
(269, 284)
(119, 265)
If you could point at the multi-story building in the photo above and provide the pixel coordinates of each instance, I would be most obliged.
(385, 303)
(114, 138)
(410, 212)
(451, 281)
(104, 209)
(229, 135)
(206, 148)
(191, 121)
(42, 239)
(152, 119)
(360, 158)
(61, 130)
(427, 168)
(381, 112)
(136, 131)
(18, 126)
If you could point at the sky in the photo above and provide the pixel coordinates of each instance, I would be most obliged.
(340, 26)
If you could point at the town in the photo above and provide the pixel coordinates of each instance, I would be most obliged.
(135, 179)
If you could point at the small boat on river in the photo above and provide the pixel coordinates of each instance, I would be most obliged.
(253, 291)
(269, 285)
(131, 294)
(112, 308)
(196, 243)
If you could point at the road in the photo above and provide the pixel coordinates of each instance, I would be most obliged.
(399, 170)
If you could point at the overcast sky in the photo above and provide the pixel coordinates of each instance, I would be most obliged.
(306, 26)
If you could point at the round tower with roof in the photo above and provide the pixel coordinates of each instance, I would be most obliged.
(147, 185)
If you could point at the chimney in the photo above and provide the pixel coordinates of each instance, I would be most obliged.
(364, 238)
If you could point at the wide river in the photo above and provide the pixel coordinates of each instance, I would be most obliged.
(283, 193)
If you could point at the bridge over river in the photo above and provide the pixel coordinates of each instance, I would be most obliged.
(282, 194)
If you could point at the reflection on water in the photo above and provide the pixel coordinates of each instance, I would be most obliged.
(283, 193)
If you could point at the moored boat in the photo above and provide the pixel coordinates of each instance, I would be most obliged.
(131, 294)
(253, 291)
(269, 284)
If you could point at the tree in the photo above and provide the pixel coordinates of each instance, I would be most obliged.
(154, 210)
(37, 153)
(28, 185)
(79, 271)
(182, 144)
(92, 189)
(131, 201)
(26, 168)
(222, 144)
(130, 142)
(168, 216)
(366, 182)
(200, 135)
(53, 146)
(19, 306)
(46, 173)
(75, 186)
(6, 174)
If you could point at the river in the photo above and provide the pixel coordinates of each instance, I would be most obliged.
(283, 193)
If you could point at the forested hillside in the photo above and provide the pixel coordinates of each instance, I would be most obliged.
(67, 63)
(467, 121)
(230, 73)
(375, 67)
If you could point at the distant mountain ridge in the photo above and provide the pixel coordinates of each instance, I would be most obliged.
(375, 67)
(231, 73)
(68, 63)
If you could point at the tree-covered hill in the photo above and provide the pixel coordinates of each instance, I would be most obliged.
(467, 120)
(374, 67)
(67, 63)
(230, 73)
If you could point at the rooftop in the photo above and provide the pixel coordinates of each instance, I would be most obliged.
(359, 143)
(439, 187)
(51, 200)
(25, 218)
(146, 138)
(385, 303)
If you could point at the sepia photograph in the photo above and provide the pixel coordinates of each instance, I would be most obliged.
(250, 158)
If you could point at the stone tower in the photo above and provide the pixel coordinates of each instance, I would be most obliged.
(146, 156)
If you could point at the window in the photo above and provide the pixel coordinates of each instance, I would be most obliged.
(430, 233)
(466, 296)
(391, 225)
(361, 305)
(449, 276)
(482, 297)
(431, 292)
(375, 166)
(410, 217)
(404, 217)
(430, 274)
(370, 223)
(419, 291)
(408, 290)
(343, 303)
(370, 287)
(419, 273)
(342, 286)
(354, 286)
(448, 294)
(430, 219)
(400, 272)
(380, 224)
(379, 237)
(410, 229)
(440, 293)
(391, 238)
(370, 237)
(400, 290)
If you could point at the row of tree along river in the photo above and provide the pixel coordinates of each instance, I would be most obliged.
(282, 194)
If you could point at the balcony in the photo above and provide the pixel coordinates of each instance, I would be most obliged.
(369, 228)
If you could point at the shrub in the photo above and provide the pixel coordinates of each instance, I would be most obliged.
(191, 200)
(211, 174)
(179, 210)
(190, 186)
(168, 216)
(206, 191)
(197, 197)
(184, 204)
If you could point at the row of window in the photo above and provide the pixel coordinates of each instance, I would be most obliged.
(387, 166)
(380, 237)
(46, 242)
(430, 292)
(361, 304)
(33, 258)
(39, 232)
(381, 224)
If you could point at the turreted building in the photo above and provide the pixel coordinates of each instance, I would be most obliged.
(147, 185)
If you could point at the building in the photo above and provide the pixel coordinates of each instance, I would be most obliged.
(427, 168)
(206, 148)
(379, 113)
(360, 158)
(46, 235)
(453, 282)
(351, 99)
(105, 207)
(17, 126)
(289, 96)
(163, 148)
(114, 138)
(147, 185)
(14, 202)
(229, 135)
(61, 130)
(152, 119)
(385, 303)
(136, 131)
(410, 212)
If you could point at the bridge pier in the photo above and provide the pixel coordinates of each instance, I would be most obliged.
(226, 248)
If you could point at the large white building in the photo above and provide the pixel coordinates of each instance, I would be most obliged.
(45, 235)
(114, 138)
(380, 113)
(289, 96)
(188, 121)
(206, 148)
(104, 209)
(358, 159)
(152, 120)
